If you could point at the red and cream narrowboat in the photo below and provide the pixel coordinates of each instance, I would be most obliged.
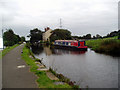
(71, 44)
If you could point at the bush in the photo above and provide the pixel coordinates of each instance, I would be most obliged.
(28, 44)
(108, 42)
(109, 47)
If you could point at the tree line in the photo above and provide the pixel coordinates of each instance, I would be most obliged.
(89, 36)
(64, 34)
(36, 35)
(10, 38)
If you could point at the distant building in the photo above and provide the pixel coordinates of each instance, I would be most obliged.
(47, 34)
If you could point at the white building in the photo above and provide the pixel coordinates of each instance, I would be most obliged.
(47, 34)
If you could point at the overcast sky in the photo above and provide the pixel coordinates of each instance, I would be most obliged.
(79, 16)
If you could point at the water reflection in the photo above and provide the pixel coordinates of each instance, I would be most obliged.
(51, 50)
(47, 50)
(62, 51)
(86, 68)
(37, 50)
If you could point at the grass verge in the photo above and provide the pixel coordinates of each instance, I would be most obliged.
(43, 80)
(6, 50)
(64, 79)
(107, 46)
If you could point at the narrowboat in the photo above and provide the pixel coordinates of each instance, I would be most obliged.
(70, 44)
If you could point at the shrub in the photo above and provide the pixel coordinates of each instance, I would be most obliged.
(28, 45)
(109, 47)
(108, 42)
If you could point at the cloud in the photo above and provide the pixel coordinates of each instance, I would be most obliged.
(79, 16)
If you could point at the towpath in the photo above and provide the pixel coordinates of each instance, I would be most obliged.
(15, 72)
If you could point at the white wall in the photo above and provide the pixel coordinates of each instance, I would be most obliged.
(1, 43)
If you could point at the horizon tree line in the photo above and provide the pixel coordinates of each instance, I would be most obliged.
(10, 38)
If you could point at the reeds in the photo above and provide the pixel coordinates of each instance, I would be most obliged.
(107, 46)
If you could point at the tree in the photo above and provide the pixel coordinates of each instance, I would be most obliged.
(94, 37)
(119, 36)
(18, 38)
(98, 36)
(60, 34)
(88, 36)
(35, 35)
(22, 39)
(10, 38)
(114, 33)
(75, 37)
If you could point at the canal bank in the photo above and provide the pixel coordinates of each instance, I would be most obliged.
(86, 69)
(108, 46)
(43, 75)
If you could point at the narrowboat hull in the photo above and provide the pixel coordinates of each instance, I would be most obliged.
(70, 47)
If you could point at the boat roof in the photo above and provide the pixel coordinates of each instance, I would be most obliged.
(66, 41)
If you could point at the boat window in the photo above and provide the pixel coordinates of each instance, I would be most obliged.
(66, 43)
(69, 44)
(56, 42)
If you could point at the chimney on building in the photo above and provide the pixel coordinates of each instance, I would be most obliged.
(46, 29)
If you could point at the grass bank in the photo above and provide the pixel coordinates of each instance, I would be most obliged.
(64, 79)
(7, 49)
(109, 46)
(43, 80)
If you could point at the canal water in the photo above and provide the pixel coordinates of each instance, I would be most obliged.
(86, 68)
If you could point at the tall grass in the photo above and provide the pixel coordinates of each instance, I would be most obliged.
(108, 46)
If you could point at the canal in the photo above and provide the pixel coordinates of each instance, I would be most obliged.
(85, 68)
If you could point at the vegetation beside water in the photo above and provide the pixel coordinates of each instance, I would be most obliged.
(109, 46)
(64, 79)
(43, 80)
